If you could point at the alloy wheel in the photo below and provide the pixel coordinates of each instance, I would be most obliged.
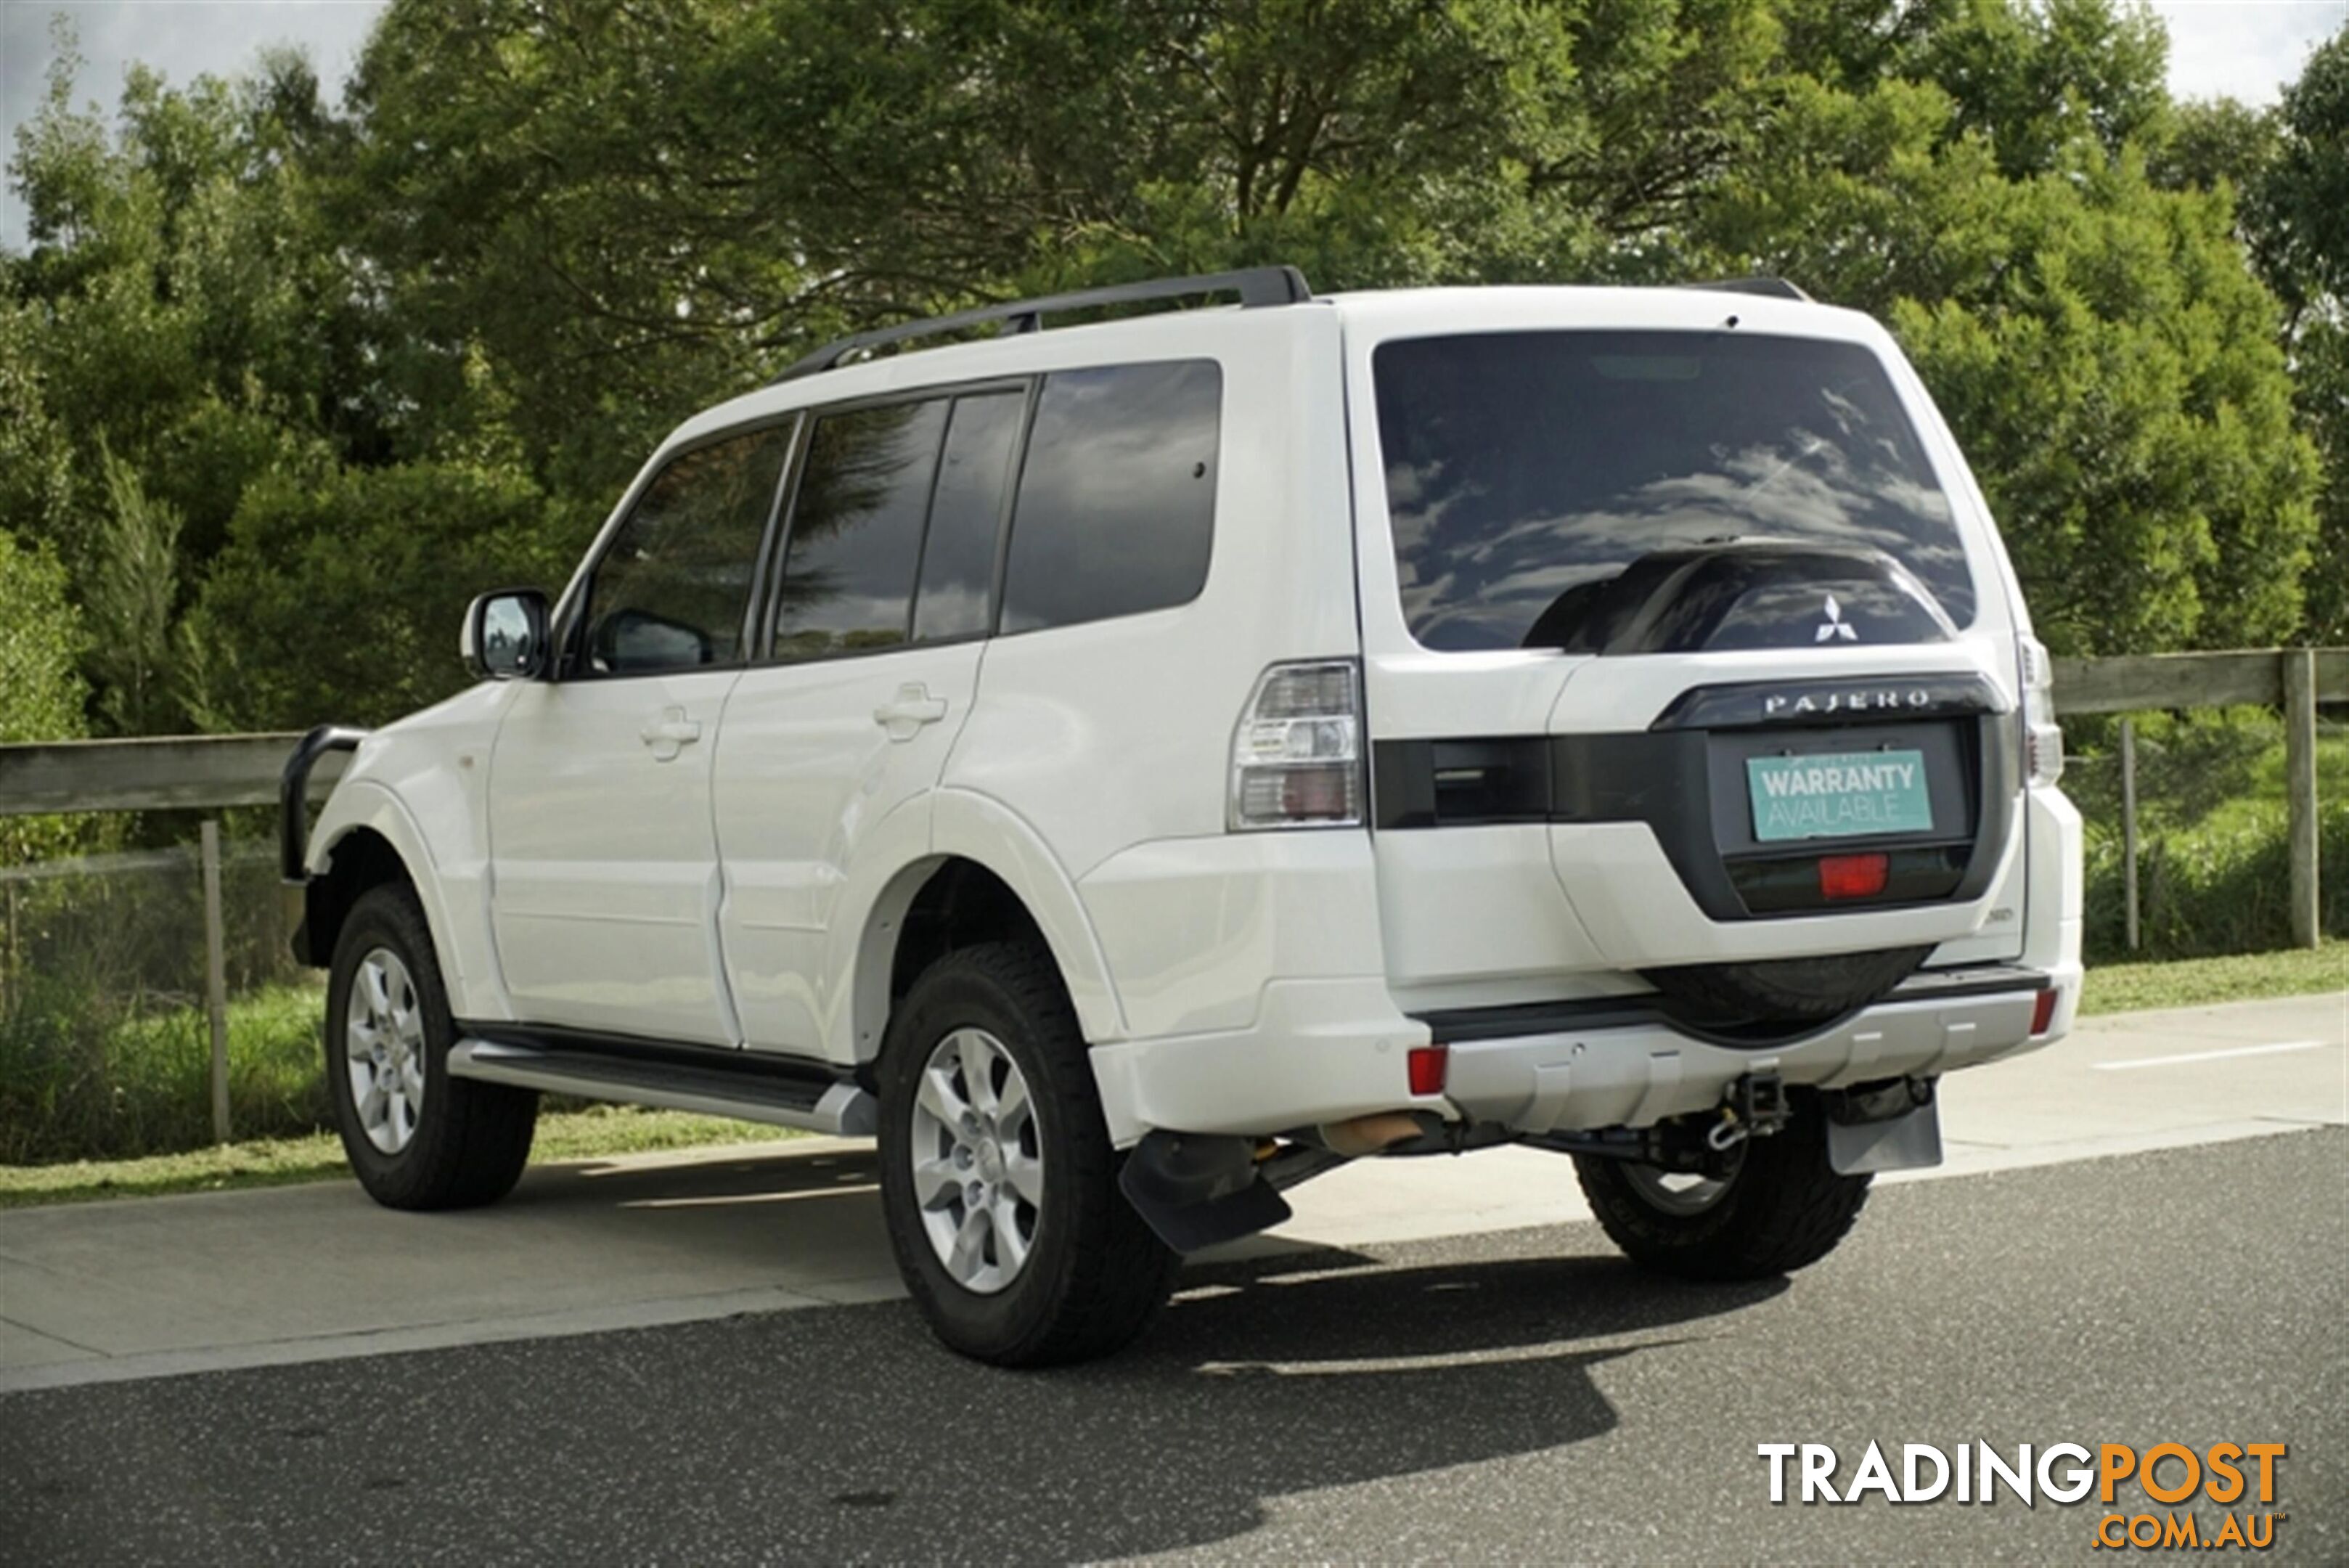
(978, 1160)
(383, 1050)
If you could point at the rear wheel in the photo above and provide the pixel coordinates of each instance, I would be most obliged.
(997, 1174)
(417, 1138)
(1777, 1207)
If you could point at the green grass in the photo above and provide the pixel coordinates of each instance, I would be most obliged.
(82, 1075)
(2196, 982)
(597, 1132)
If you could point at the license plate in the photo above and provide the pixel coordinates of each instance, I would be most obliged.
(1838, 794)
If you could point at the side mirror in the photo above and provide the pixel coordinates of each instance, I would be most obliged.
(505, 635)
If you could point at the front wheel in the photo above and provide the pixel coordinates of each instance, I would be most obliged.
(417, 1138)
(1778, 1205)
(997, 1175)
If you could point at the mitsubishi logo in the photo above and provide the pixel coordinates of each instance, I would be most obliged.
(1835, 627)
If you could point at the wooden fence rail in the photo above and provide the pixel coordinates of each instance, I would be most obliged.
(211, 772)
(2294, 678)
(178, 772)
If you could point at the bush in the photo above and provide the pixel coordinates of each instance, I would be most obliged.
(340, 599)
(2220, 886)
(80, 1079)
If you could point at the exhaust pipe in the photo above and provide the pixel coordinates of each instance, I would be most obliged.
(1374, 1134)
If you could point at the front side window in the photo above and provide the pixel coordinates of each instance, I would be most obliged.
(856, 530)
(1116, 507)
(1522, 466)
(673, 590)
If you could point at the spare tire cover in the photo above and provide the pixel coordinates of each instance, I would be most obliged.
(1798, 993)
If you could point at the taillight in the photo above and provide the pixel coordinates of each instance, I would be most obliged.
(2042, 738)
(2043, 1012)
(1296, 756)
(1426, 1067)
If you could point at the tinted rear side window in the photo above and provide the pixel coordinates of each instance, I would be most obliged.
(1522, 465)
(958, 560)
(1117, 497)
(856, 530)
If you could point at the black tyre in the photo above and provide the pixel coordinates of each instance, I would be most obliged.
(997, 1174)
(1795, 993)
(417, 1138)
(1780, 1208)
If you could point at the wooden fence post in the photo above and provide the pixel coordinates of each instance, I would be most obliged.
(216, 976)
(2300, 787)
(2128, 822)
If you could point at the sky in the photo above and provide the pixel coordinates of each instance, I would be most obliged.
(2242, 48)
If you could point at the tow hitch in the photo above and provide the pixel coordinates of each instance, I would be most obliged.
(1888, 1126)
(1699, 1144)
(1755, 1107)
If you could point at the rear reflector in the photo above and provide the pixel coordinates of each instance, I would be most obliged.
(2043, 1012)
(1427, 1064)
(1853, 876)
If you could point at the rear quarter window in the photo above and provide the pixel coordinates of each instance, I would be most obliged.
(1522, 465)
(1116, 503)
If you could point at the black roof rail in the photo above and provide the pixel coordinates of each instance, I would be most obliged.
(1775, 288)
(1255, 286)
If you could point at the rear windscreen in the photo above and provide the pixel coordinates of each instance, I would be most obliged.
(1522, 465)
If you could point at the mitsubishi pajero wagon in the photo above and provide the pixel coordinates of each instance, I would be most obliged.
(1132, 767)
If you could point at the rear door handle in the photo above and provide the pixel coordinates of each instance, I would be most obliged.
(913, 708)
(670, 733)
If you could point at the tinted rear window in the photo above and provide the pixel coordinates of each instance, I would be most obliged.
(1521, 465)
(1117, 500)
(856, 531)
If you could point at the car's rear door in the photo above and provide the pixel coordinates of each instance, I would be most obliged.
(604, 862)
(1631, 563)
(834, 740)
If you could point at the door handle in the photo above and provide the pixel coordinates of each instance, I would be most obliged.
(911, 708)
(670, 733)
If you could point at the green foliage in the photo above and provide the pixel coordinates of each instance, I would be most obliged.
(2203, 982)
(2107, 361)
(2221, 888)
(340, 598)
(2290, 169)
(2302, 195)
(40, 642)
(534, 238)
(79, 1082)
(41, 690)
(129, 593)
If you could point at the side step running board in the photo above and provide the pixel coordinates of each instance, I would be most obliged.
(782, 1093)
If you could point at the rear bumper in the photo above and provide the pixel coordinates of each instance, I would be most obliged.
(1638, 1073)
(1329, 1050)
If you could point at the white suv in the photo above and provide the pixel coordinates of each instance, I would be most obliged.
(1132, 767)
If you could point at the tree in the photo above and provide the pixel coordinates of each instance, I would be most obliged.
(131, 600)
(339, 597)
(539, 235)
(2105, 355)
(180, 326)
(2298, 206)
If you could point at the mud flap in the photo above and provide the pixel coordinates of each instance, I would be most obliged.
(1197, 1190)
(1907, 1142)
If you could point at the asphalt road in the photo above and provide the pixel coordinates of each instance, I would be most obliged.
(1517, 1397)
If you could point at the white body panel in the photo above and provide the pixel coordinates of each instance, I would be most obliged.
(422, 785)
(606, 864)
(811, 789)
